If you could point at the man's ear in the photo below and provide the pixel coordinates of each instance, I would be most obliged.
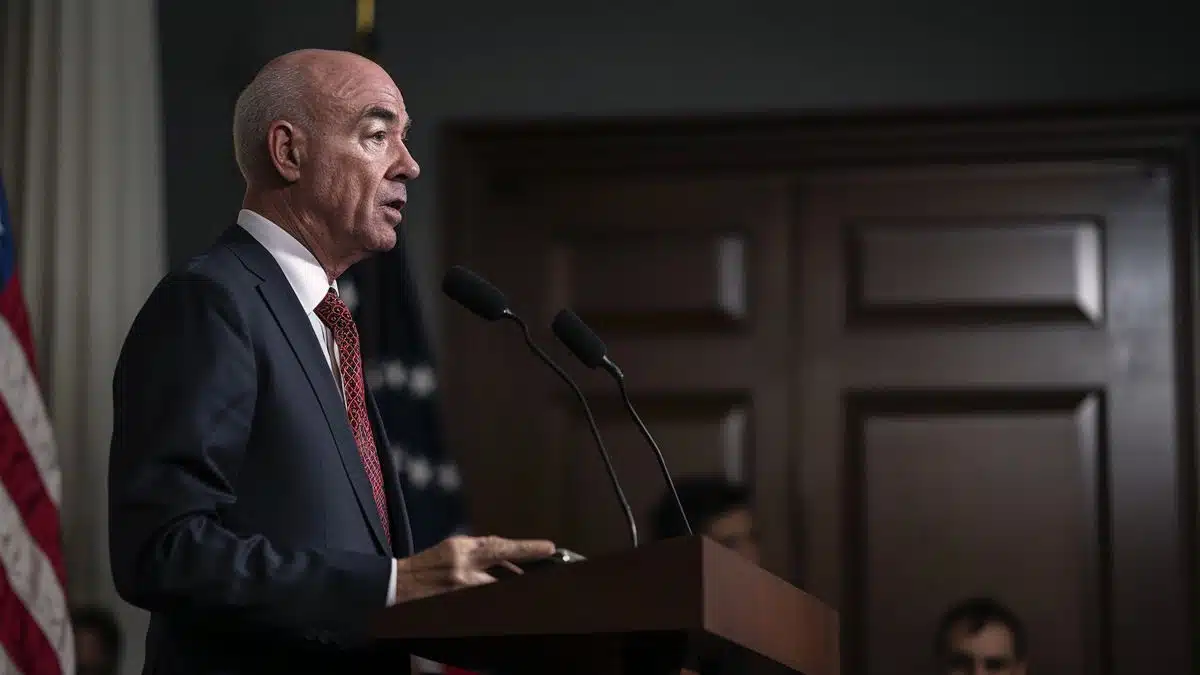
(285, 146)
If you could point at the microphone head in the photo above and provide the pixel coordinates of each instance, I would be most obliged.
(575, 334)
(475, 293)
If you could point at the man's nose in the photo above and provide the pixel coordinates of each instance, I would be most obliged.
(405, 167)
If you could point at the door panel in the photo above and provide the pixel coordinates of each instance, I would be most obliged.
(986, 406)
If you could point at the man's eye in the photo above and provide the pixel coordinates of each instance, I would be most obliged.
(379, 135)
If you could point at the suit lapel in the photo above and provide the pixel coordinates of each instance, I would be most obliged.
(391, 482)
(297, 329)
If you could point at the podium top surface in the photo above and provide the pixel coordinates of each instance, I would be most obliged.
(687, 585)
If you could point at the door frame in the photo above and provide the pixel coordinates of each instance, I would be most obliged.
(481, 158)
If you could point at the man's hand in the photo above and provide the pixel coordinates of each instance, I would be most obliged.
(460, 561)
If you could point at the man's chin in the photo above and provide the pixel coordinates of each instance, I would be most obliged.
(385, 238)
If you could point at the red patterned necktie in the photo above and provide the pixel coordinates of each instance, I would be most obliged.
(335, 314)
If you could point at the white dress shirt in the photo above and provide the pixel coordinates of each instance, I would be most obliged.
(310, 283)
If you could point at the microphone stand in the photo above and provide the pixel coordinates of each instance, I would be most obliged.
(612, 474)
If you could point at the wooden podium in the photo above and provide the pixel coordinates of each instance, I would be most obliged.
(654, 609)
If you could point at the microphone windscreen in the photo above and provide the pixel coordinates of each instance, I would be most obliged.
(575, 334)
(475, 293)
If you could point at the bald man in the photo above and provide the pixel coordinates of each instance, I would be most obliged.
(253, 508)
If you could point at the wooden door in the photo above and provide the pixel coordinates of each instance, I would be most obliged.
(967, 376)
(986, 404)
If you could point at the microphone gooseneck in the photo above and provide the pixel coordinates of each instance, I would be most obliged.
(484, 300)
(617, 375)
(583, 342)
(591, 420)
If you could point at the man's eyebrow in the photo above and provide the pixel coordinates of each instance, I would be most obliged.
(380, 113)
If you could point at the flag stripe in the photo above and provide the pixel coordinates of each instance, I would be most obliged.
(6, 664)
(31, 478)
(35, 629)
(25, 646)
(20, 394)
(19, 478)
(32, 579)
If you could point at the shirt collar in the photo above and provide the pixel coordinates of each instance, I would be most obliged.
(305, 275)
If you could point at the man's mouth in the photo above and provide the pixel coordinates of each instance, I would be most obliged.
(394, 206)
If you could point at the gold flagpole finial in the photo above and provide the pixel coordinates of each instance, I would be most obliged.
(364, 27)
(365, 18)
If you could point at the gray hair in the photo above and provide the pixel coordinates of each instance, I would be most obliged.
(279, 91)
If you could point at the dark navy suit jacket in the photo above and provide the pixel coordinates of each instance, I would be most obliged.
(240, 515)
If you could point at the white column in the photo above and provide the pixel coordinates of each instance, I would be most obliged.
(82, 153)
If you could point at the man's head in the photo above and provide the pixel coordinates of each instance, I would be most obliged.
(980, 636)
(97, 641)
(716, 508)
(320, 137)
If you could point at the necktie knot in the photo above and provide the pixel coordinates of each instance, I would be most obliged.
(334, 313)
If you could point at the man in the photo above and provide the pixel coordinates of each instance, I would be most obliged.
(254, 509)
(715, 508)
(980, 636)
(97, 641)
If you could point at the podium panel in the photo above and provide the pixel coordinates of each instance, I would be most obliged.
(654, 609)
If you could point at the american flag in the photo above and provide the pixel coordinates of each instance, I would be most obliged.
(35, 627)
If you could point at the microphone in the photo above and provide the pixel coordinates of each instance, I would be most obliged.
(590, 349)
(486, 301)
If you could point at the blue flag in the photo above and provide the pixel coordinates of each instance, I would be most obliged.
(401, 374)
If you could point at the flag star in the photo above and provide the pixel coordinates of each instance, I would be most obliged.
(394, 374)
(421, 381)
(419, 472)
(448, 477)
(348, 293)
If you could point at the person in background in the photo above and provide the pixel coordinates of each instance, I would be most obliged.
(97, 641)
(981, 636)
(715, 508)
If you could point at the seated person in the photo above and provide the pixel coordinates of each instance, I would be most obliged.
(980, 636)
(715, 508)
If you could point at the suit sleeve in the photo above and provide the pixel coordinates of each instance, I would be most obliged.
(184, 396)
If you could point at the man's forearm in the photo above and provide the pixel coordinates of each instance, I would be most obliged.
(206, 572)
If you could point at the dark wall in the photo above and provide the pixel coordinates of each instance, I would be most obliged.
(537, 59)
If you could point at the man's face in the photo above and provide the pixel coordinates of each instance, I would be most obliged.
(735, 529)
(988, 651)
(356, 161)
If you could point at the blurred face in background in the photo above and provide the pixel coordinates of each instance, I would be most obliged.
(92, 656)
(736, 530)
(987, 651)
